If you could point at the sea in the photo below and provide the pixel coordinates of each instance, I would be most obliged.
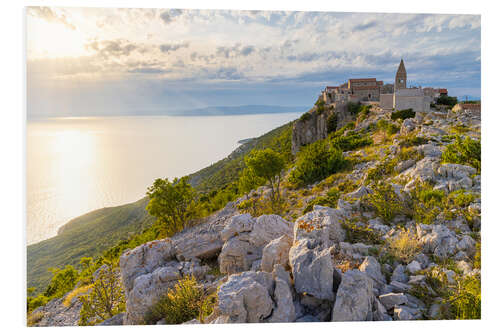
(76, 165)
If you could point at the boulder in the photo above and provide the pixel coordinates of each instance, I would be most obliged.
(392, 299)
(116, 320)
(322, 225)
(354, 299)
(413, 267)
(245, 298)
(237, 256)
(269, 227)
(144, 259)
(276, 252)
(236, 225)
(284, 311)
(437, 239)
(371, 268)
(399, 274)
(312, 269)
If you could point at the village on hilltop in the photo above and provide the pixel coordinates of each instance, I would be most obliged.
(395, 96)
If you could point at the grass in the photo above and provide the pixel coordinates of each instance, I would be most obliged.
(404, 247)
(74, 293)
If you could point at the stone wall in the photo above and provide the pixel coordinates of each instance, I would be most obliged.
(386, 101)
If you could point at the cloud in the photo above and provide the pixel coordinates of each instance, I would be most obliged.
(50, 16)
(116, 48)
(166, 48)
(235, 51)
(366, 26)
(168, 16)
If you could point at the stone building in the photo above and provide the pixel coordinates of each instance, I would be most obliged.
(367, 89)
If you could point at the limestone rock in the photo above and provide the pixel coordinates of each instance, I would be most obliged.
(284, 311)
(269, 227)
(312, 269)
(371, 267)
(413, 267)
(236, 225)
(391, 300)
(234, 257)
(245, 298)
(322, 224)
(276, 252)
(116, 320)
(354, 299)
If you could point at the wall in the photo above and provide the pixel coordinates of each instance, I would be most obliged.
(386, 101)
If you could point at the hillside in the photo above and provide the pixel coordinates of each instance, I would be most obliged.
(85, 236)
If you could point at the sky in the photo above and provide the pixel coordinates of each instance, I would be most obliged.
(113, 61)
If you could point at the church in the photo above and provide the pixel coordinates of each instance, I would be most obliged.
(405, 98)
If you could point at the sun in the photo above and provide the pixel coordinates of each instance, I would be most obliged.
(53, 40)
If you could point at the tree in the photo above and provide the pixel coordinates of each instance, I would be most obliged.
(249, 181)
(172, 203)
(267, 164)
(106, 297)
(63, 280)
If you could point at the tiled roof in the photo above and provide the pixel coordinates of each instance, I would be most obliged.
(362, 80)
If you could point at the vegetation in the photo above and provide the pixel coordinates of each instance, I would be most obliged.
(385, 201)
(105, 299)
(329, 200)
(463, 151)
(427, 203)
(360, 234)
(354, 108)
(388, 127)
(305, 116)
(320, 105)
(404, 247)
(85, 236)
(331, 123)
(267, 164)
(172, 203)
(351, 141)
(403, 114)
(183, 302)
(412, 140)
(447, 100)
(315, 162)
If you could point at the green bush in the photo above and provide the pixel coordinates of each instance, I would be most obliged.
(353, 108)
(305, 117)
(463, 151)
(320, 106)
(403, 114)
(381, 170)
(427, 203)
(387, 126)
(385, 201)
(352, 141)
(331, 123)
(447, 100)
(330, 200)
(185, 301)
(315, 162)
(412, 140)
(360, 234)
(465, 298)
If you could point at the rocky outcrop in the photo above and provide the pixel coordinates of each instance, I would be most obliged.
(245, 239)
(355, 298)
(55, 313)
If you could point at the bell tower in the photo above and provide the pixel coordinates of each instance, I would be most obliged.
(400, 81)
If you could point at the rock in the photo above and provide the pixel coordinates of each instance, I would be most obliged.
(237, 256)
(245, 298)
(307, 319)
(423, 260)
(144, 259)
(404, 313)
(236, 225)
(276, 252)
(424, 170)
(391, 300)
(435, 311)
(354, 299)
(284, 311)
(464, 267)
(355, 251)
(360, 192)
(457, 171)
(417, 279)
(404, 165)
(437, 239)
(55, 313)
(147, 290)
(468, 245)
(256, 265)
(399, 286)
(269, 227)
(430, 150)
(312, 269)
(116, 320)
(191, 322)
(407, 126)
(413, 267)
(378, 226)
(450, 276)
(371, 268)
(322, 224)
(399, 275)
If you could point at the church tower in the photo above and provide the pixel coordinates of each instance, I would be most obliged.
(400, 82)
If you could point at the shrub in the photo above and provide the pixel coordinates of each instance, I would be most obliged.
(363, 114)
(404, 247)
(268, 165)
(35, 302)
(105, 299)
(63, 281)
(427, 203)
(315, 162)
(447, 100)
(331, 123)
(330, 200)
(403, 114)
(387, 126)
(385, 201)
(305, 117)
(463, 151)
(320, 105)
(75, 292)
(185, 301)
(412, 140)
(34, 318)
(352, 141)
(465, 299)
(381, 170)
(353, 108)
(360, 234)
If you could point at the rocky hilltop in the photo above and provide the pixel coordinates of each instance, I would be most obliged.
(390, 237)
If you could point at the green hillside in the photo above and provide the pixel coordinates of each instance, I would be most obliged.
(85, 236)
